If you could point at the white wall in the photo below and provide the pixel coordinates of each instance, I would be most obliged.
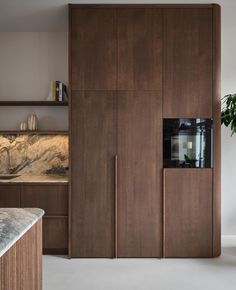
(36, 53)
(228, 143)
(29, 61)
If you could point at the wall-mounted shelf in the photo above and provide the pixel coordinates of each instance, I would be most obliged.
(12, 132)
(32, 103)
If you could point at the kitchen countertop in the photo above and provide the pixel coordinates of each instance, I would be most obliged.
(36, 178)
(14, 223)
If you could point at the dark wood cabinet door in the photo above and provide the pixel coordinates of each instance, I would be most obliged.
(53, 199)
(93, 147)
(139, 174)
(93, 48)
(55, 235)
(187, 63)
(187, 212)
(139, 48)
(9, 195)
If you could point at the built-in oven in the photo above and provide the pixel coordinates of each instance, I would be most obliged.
(187, 143)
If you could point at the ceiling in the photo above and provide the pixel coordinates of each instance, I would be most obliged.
(52, 15)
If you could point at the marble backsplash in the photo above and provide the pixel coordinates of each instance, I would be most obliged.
(34, 154)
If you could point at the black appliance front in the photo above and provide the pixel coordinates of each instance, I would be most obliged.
(187, 143)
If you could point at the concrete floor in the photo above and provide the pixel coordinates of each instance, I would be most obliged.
(143, 274)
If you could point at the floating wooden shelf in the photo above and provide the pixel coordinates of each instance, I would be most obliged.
(11, 132)
(32, 103)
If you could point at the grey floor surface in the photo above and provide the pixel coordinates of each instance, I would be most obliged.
(143, 274)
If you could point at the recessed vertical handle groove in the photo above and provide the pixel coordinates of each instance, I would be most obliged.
(115, 204)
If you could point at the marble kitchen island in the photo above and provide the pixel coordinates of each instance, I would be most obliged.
(21, 248)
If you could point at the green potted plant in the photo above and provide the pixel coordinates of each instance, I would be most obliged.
(228, 113)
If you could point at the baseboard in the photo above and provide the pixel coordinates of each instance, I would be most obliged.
(228, 236)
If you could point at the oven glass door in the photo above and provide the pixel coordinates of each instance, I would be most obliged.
(187, 143)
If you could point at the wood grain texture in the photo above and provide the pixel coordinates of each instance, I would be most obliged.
(70, 124)
(164, 6)
(21, 265)
(9, 195)
(187, 63)
(55, 235)
(217, 131)
(112, 48)
(33, 103)
(139, 49)
(93, 49)
(188, 212)
(93, 147)
(18, 132)
(8, 270)
(53, 199)
(139, 174)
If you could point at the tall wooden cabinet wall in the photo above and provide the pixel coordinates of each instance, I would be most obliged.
(130, 67)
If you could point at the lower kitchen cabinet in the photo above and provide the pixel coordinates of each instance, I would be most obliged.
(53, 199)
(55, 235)
(187, 210)
(9, 195)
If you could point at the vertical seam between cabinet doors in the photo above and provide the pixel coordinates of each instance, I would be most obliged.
(163, 215)
(216, 103)
(70, 151)
(213, 139)
(163, 54)
(162, 115)
(116, 27)
(115, 212)
(116, 149)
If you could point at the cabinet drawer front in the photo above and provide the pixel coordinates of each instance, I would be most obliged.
(9, 195)
(51, 198)
(55, 234)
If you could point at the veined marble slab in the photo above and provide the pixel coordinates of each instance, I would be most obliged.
(34, 154)
(14, 223)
